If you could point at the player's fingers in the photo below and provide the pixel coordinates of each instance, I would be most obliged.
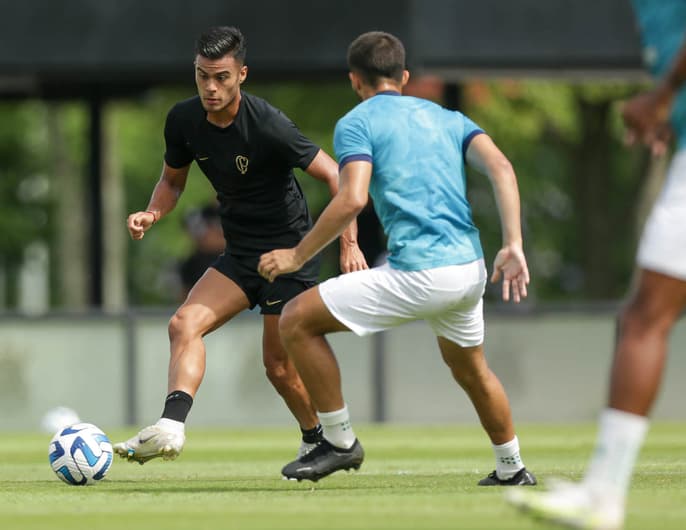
(506, 290)
(515, 292)
(522, 287)
(496, 275)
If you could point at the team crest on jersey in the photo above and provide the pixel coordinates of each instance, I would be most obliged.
(242, 164)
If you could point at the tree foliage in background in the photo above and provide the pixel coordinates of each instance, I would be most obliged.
(579, 184)
(24, 188)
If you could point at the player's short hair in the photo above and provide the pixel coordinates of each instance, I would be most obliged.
(219, 41)
(375, 55)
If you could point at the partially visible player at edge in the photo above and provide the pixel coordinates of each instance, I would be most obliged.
(247, 149)
(657, 299)
(409, 154)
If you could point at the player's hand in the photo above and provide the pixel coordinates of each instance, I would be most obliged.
(351, 258)
(277, 262)
(138, 223)
(510, 265)
(646, 117)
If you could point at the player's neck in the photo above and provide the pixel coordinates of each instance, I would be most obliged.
(380, 89)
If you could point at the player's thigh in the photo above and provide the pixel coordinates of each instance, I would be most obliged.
(273, 350)
(307, 313)
(214, 300)
(462, 359)
(657, 300)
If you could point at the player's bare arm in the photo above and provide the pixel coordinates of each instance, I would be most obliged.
(344, 207)
(510, 262)
(163, 200)
(646, 115)
(325, 169)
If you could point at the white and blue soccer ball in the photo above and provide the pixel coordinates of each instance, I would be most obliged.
(80, 454)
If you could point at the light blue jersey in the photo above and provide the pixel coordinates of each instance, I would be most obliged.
(663, 27)
(417, 151)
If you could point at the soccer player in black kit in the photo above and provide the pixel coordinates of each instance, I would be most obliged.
(247, 149)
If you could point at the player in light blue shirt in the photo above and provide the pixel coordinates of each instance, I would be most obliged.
(409, 154)
(418, 187)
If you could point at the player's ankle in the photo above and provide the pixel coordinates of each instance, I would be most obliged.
(171, 425)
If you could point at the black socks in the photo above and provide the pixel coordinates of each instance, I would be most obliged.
(314, 435)
(177, 406)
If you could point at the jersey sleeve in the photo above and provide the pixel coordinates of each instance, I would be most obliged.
(351, 141)
(294, 146)
(177, 154)
(469, 131)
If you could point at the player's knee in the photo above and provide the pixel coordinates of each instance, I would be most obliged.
(638, 320)
(277, 371)
(181, 325)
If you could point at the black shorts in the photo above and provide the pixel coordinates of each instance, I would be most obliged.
(271, 297)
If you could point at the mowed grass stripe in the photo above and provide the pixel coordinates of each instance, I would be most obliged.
(413, 478)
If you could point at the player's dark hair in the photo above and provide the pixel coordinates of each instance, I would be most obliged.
(219, 41)
(375, 55)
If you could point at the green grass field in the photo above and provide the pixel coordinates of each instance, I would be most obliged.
(413, 478)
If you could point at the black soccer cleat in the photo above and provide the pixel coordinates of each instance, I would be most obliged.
(323, 460)
(521, 478)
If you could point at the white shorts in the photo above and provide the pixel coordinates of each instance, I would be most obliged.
(663, 243)
(448, 298)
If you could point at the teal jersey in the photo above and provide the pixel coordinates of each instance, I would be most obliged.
(663, 27)
(417, 151)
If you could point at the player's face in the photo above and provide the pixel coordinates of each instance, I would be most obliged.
(218, 81)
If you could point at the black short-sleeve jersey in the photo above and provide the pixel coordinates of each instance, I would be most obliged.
(250, 165)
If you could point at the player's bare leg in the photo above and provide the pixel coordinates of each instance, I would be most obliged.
(303, 324)
(284, 377)
(470, 370)
(641, 349)
(213, 300)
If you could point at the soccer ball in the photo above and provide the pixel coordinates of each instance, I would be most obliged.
(80, 454)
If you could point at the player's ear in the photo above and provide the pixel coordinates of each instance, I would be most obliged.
(355, 81)
(406, 78)
(242, 73)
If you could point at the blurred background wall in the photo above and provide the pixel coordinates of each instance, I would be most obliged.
(112, 371)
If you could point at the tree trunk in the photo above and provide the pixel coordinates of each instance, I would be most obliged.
(114, 217)
(70, 233)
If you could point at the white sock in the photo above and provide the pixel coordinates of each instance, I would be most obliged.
(337, 428)
(507, 459)
(171, 425)
(620, 437)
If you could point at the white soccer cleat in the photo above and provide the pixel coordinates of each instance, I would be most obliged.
(152, 442)
(304, 449)
(571, 505)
